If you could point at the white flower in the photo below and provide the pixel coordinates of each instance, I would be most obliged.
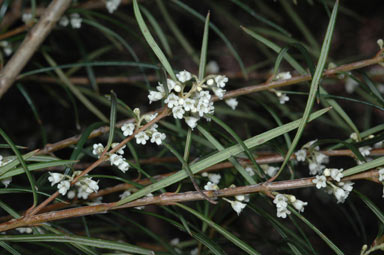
(283, 98)
(172, 100)
(283, 212)
(174, 241)
(76, 20)
(378, 145)
(301, 155)
(232, 102)
(112, 5)
(350, 85)
(210, 82)
(336, 174)
(63, 187)
(171, 84)
(219, 92)
(116, 159)
(124, 166)
(98, 149)
(250, 171)
(177, 88)
(157, 138)
(184, 76)
(211, 186)
(381, 174)
(299, 205)
(6, 181)
(191, 121)
(26, 17)
(189, 105)
(214, 178)
(221, 81)
(365, 150)
(128, 129)
(6, 47)
(280, 201)
(283, 76)
(121, 150)
(212, 67)
(178, 112)
(24, 230)
(340, 194)
(237, 206)
(154, 96)
(347, 186)
(242, 198)
(354, 137)
(320, 181)
(315, 168)
(55, 178)
(272, 170)
(71, 194)
(141, 138)
(125, 194)
(64, 21)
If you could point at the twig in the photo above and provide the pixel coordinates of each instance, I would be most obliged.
(172, 198)
(31, 42)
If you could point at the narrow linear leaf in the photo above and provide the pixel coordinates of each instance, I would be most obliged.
(112, 120)
(204, 46)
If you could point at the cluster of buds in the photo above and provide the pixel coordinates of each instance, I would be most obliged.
(330, 179)
(116, 159)
(313, 156)
(189, 98)
(282, 200)
(82, 188)
(151, 133)
(74, 19)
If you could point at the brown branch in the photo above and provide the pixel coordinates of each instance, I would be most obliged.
(31, 42)
(172, 198)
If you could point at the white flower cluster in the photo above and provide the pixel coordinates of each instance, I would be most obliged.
(151, 134)
(281, 201)
(214, 179)
(336, 187)
(116, 159)
(239, 203)
(25, 230)
(315, 158)
(74, 19)
(82, 188)
(112, 5)
(195, 103)
(7, 48)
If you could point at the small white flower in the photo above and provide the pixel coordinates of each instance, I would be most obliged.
(340, 194)
(64, 21)
(172, 100)
(336, 174)
(76, 20)
(219, 92)
(189, 105)
(24, 230)
(212, 67)
(365, 150)
(301, 155)
(350, 85)
(280, 201)
(98, 149)
(283, 76)
(320, 181)
(283, 212)
(154, 96)
(112, 5)
(178, 112)
(123, 166)
(158, 138)
(26, 17)
(184, 76)
(6, 48)
(232, 102)
(347, 186)
(299, 205)
(221, 81)
(211, 186)
(116, 159)
(283, 98)
(141, 138)
(6, 181)
(63, 187)
(354, 137)
(214, 178)
(242, 198)
(177, 88)
(210, 82)
(237, 206)
(272, 170)
(55, 178)
(174, 241)
(191, 121)
(250, 171)
(315, 168)
(128, 129)
(378, 145)
(71, 194)
(121, 150)
(381, 174)
(125, 194)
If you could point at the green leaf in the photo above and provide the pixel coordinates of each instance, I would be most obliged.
(30, 177)
(93, 242)
(363, 167)
(314, 85)
(232, 238)
(379, 214)
(220, 156)
(112, 120)
(152, 43)
(9, 248)
(204, 46)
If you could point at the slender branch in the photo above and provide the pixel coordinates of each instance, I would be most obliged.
(172, 198)
(31, 42)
